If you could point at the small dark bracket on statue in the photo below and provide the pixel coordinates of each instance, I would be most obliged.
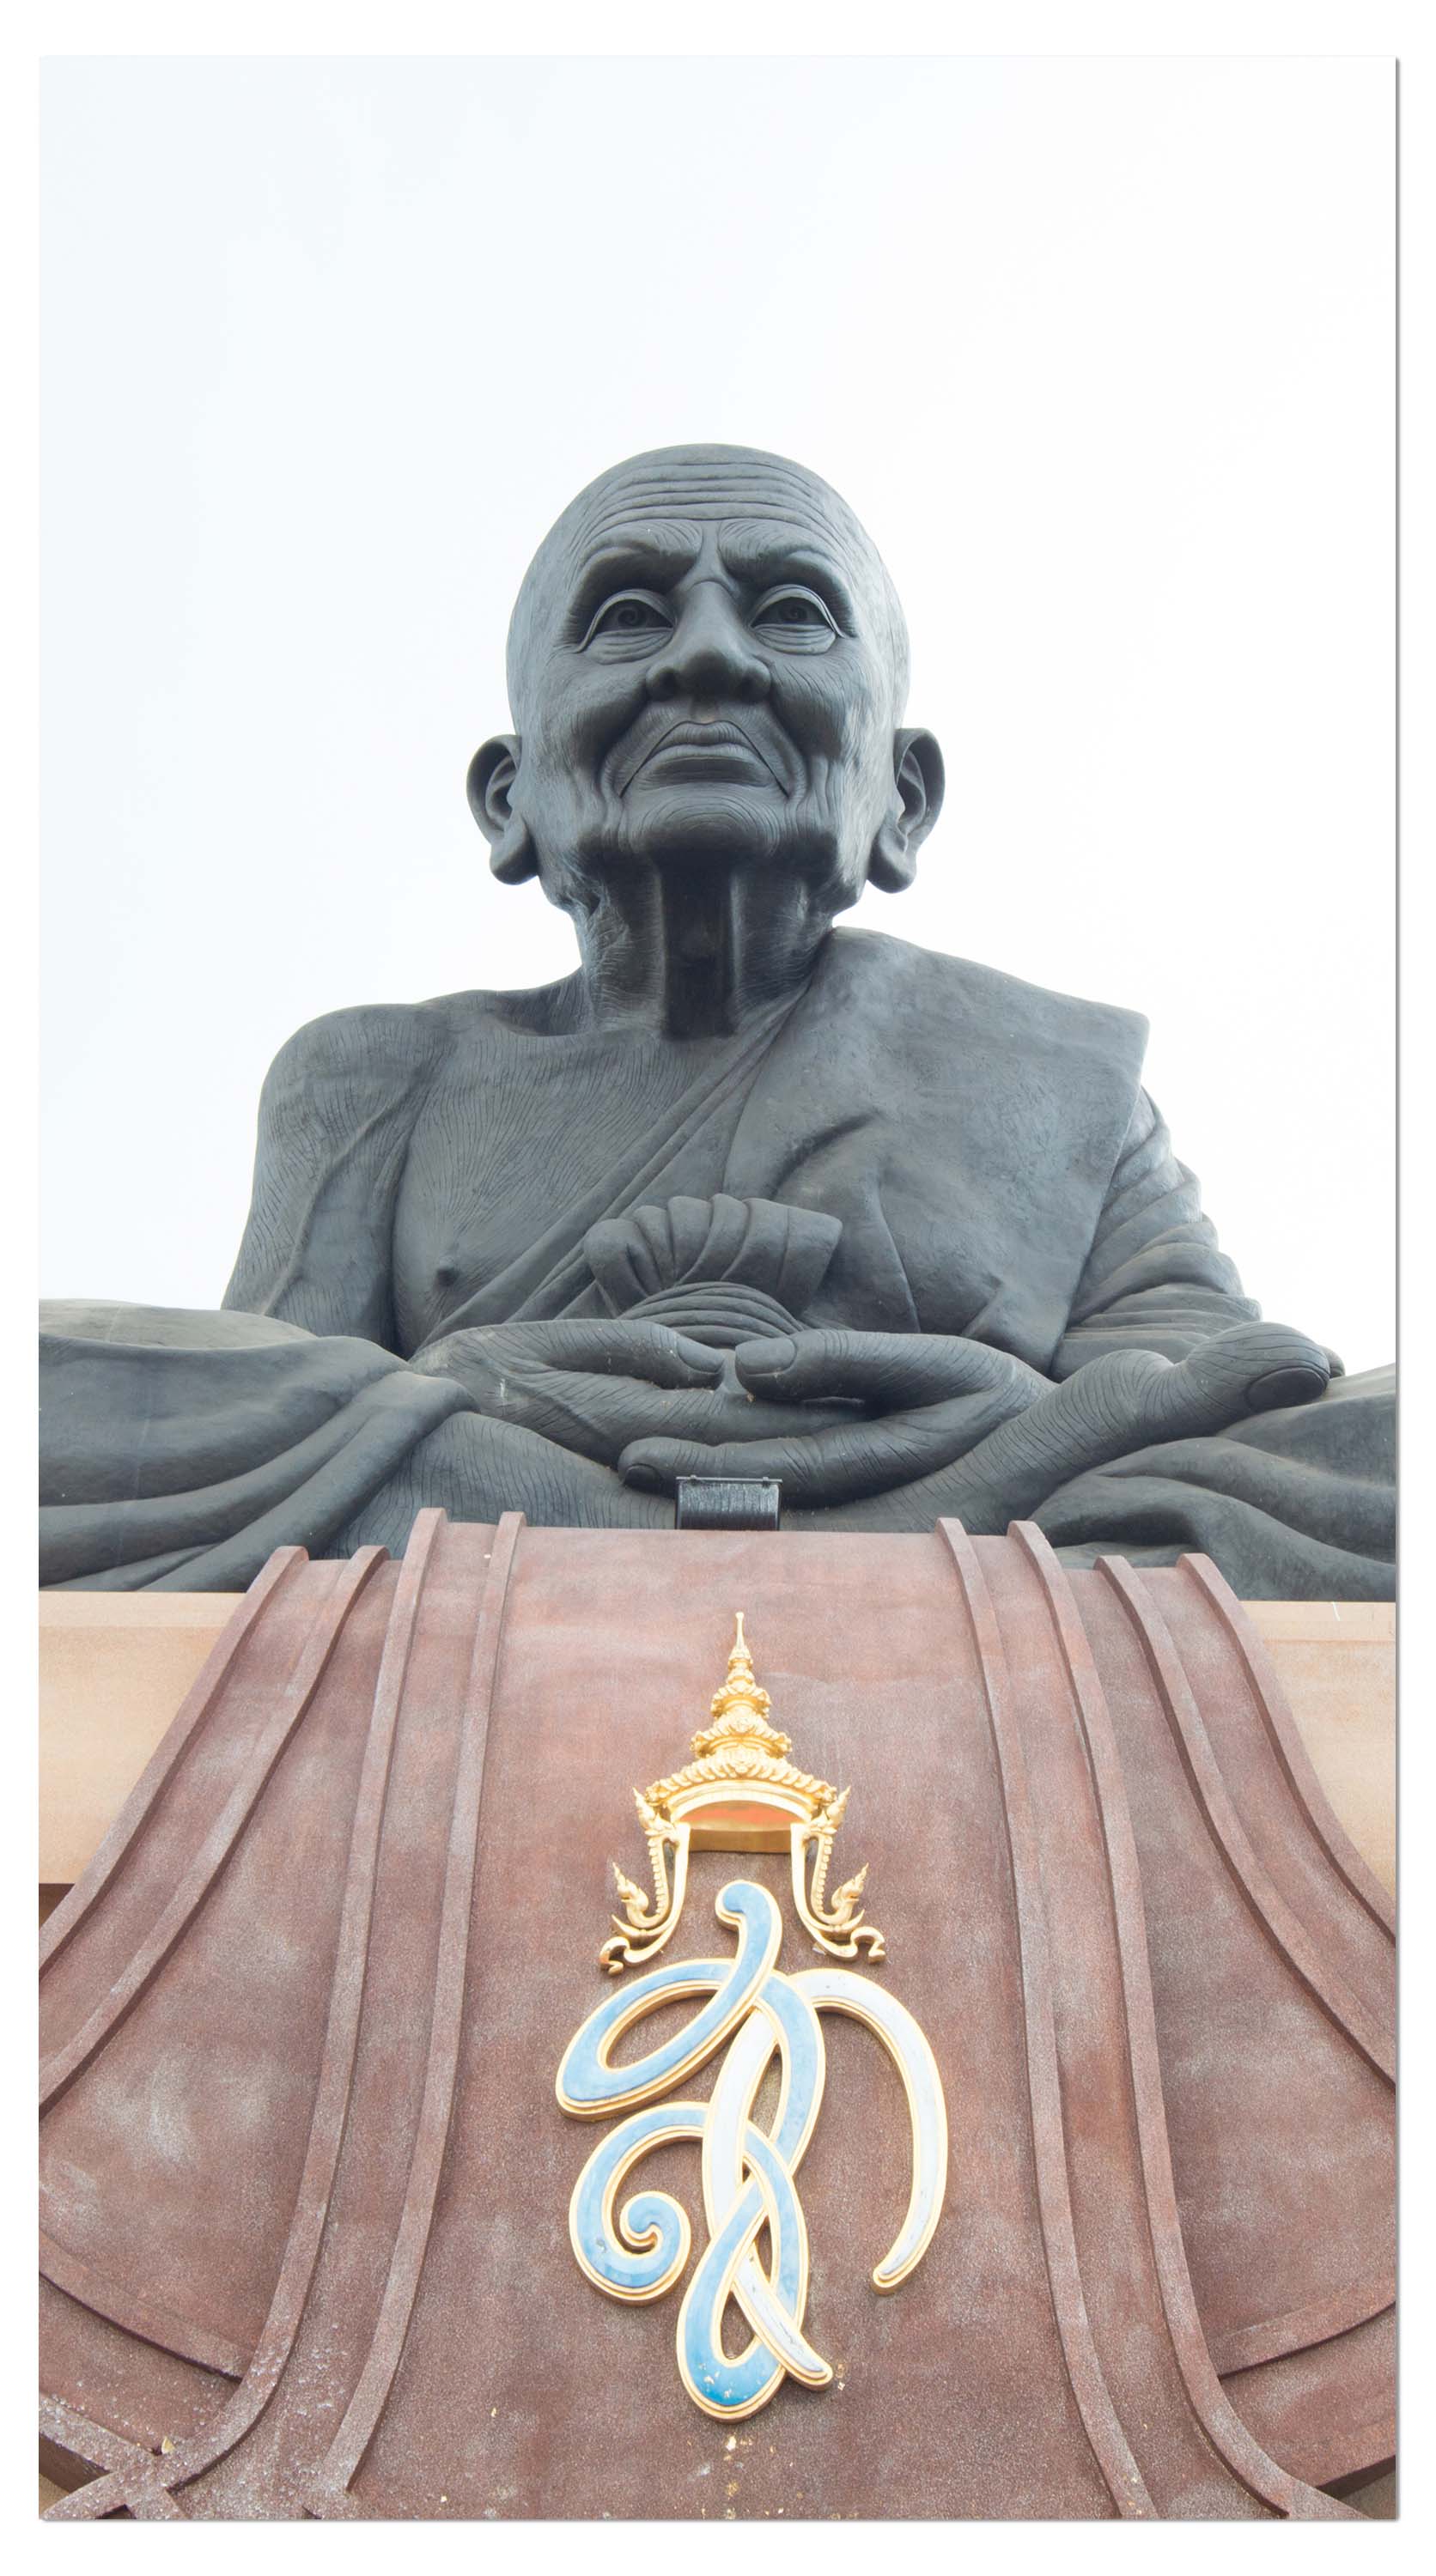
(728, 1502)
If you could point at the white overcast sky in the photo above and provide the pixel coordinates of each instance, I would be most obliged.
(1101, 351)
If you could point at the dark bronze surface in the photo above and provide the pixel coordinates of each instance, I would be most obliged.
(305, 2178)
(747, 1195)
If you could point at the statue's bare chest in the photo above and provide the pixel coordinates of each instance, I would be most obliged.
(509, 1137)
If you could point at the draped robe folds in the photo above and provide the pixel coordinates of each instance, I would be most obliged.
(986, 1148)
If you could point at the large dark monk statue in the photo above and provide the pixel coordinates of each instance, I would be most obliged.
(745, 1193)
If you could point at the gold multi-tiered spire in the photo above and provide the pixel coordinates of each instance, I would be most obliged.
(740, 1793)
(740, 1705)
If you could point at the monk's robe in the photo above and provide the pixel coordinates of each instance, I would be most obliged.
(917, 1144)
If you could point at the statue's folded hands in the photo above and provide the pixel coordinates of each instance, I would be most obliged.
(595, 1385)
(973, 1432)
(926, 1399)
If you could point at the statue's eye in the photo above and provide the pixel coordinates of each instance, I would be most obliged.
(630, 614)
(794, 618)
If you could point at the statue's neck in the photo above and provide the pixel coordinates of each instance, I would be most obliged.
(696, 951)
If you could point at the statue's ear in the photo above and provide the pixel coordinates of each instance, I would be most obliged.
(492, 772)
(917, 803)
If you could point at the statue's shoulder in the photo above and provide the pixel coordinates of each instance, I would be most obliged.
(396, 1044)
(344, 1066)
(930, 992)
(381, 1032)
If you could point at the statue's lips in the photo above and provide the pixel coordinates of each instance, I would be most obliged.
(707, 751)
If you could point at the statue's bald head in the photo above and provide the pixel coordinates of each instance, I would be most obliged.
(670, 488)
(707, 667)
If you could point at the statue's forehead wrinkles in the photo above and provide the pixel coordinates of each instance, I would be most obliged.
(639, 515)
(769, 548)
(721, 490)
(672, 544)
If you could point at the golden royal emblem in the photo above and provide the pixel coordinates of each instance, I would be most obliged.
(739, 1793)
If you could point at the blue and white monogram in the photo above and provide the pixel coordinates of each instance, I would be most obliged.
(638, 2248)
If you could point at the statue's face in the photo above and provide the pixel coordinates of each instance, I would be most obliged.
(704, 668)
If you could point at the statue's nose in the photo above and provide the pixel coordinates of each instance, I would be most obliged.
(710, 653)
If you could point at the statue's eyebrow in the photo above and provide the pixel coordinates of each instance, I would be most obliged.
(649, 557)
(770, 554)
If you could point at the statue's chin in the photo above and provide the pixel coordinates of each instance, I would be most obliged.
(720, 826)
(707, 819)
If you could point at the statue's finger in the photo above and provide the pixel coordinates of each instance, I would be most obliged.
(638, 1349)
(1254, 1368)
(624, 1409)
(1285, 1386)
(810, 1472)
(894, 1370)
(599, 1415)
(654, 1466)
(845, 1463)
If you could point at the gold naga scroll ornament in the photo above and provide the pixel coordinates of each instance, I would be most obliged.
(740, 1793)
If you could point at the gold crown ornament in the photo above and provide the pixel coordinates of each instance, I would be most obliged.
(740, 1793)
